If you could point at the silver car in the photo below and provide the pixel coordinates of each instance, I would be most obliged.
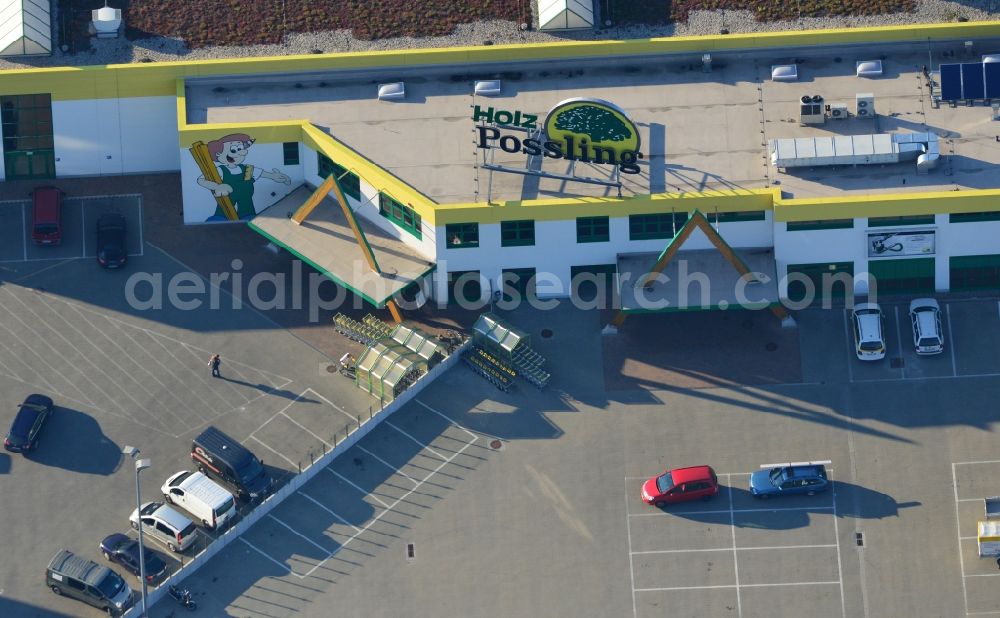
(925, 316)
(165, 525)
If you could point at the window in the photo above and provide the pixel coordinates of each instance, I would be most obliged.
(660, 225)
(894, 221)
(291, 152)
(732, 217)
(402, 216)
(27, 122)
(825, 224)
(462, 235)
(592, 229)
(969, 217)
(73, 583)
(349, 181)
(517, 233)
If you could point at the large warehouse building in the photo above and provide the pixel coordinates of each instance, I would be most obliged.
(808, 154)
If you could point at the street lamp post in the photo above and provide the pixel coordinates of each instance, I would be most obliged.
(140, 465)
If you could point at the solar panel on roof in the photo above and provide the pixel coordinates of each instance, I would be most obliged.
(951, 82)
(973, 86)
(992, 70)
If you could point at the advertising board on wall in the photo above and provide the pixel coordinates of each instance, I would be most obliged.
(900, 243)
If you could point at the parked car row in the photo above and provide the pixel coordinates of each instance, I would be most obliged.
(701, 482)
(868, 324)
(47, 227)
(214, 453)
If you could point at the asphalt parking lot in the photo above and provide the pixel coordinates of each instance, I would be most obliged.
(425, 516)
(124, 376)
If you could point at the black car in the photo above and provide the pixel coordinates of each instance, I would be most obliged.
(23, 434)
(125, 551)
(111, 251)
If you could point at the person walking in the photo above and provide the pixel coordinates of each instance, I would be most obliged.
(214, 363)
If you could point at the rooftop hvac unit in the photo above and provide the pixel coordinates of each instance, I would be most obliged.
(811, 113)
(865, 105)
(838, 111)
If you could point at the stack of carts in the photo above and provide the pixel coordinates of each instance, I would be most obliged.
(367, 332)
(497, 373)
(529, 365)
(506, 352)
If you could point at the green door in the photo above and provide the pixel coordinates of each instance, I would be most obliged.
(19, 165)
(974, 272)
(520, 280)
(833, 280)
(589, 282)
(464, 285)
(914, 276)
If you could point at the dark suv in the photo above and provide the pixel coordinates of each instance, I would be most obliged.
(23, 434)
(111, 251)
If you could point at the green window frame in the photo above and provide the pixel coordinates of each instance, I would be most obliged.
(461, 235)
(824, 224)
(290, 151)
(349, 181)
(519, 233)
(733, 217)
(894, 221)
(593, 229)
(657, 225)
(972, 217)
(403, 216)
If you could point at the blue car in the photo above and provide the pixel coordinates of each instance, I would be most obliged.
(804, 477)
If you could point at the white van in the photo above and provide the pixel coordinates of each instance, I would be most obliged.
(198, 495)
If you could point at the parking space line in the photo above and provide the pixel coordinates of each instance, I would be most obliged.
(141, 244)
(388, 510)
(970, 499)
(836, 536)
(680, 551)
(850, 351)
(351, 483)
(899, 343)
(791, 508)
(391, 424)
(266, 555)
(958, 527)
(262, 443)
(951, 339)
(296, 532)
(736, 559)
(631, 566)
(967, 538)
(987, 612)
(303, 428)
(83, 233)
(984, 575)
(972, 463)
(721, 586)
(445, 417)
(388, 465)
(199, 375)
(322, 506)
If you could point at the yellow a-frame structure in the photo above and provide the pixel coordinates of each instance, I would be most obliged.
(696, 220)
(332, 184)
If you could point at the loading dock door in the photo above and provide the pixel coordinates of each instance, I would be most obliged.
(915, 276)
(595, 281)
(834, 280)
(974, 272)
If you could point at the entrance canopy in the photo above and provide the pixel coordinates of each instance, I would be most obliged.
(327, 243)
(697, 280)
(25, 28)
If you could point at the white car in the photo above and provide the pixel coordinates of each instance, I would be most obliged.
(869, 332)
(198, 495)
(925, 316)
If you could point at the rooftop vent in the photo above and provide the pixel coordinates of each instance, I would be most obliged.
(395, 91)
(869, 68)
(784, 73)
(107, 22)
(487, 88)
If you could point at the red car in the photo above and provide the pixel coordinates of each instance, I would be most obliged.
(46, 216)
(681, 485)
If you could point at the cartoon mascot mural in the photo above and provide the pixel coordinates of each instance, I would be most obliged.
(230, 180)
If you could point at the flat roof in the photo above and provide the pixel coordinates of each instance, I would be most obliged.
(695, 280)
(325, 241)
(705, 130)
